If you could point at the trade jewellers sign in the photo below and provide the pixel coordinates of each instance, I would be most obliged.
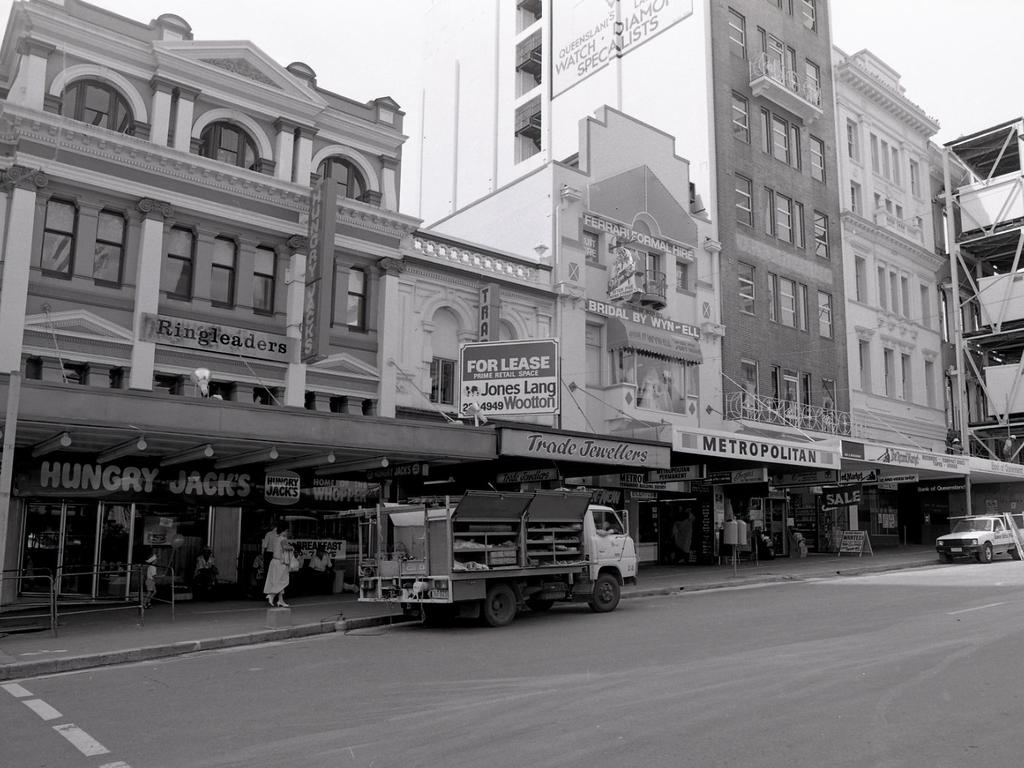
(735, 446)
(214, 337)
(587, 35)
(593, 450)
(526, 476)
(510, 378)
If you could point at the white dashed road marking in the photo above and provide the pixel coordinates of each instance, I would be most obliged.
(976, 608)
(42, 709)
(15, 690)
(81, 740)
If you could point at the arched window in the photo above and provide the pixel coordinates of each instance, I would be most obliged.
(351, 182)
(99, 104)
(229, 144)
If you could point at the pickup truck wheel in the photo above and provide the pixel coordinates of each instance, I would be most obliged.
(606, 594)
(499, 606)
(985, 554)
(538, 605)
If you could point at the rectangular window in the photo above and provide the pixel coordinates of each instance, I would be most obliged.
(784, 218)
(810, 14)
(874, 154)
(748, 379)
(769, 211)
(744, 201)
(176, 274)
(801, 307)
(817, 147)
(864, 359)
(883, 290)
(766, 131)
(787, 302)
(737, 34)
(222, 276)
(889, 372)
(590, 245)
(773, 297)
(886, 167)
(780, 139)
(855, 199)
(798, 225)
(860, 268)
(853, 140)
(263, 280)
(905, 375)
(896, 176)
(594, 354)
(929, 382)
(905, 294)
(740, 118)
(825, 314)
(812, 74)
(682, 276)
(915, 178)
(821, 235)
(894, 293)
(926, 307)
(355, 313)
(442, 381)
(108, 255)
(794, 146)
(746, 287)
(58, 253)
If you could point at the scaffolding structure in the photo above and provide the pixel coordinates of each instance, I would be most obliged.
(985, 235)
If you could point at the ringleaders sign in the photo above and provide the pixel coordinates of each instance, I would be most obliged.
(586, 35)
(510, 378)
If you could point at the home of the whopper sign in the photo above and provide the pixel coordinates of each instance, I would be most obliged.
(510, 378)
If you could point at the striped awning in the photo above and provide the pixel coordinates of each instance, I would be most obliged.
(625, 334)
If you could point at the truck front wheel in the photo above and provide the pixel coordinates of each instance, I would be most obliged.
(606, 594)
(985, 554)
(499, 605)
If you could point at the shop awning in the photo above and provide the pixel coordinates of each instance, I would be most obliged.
(672, 344)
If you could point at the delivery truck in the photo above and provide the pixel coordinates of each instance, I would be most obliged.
(493, 554)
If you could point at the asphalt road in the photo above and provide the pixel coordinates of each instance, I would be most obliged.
(913, 668)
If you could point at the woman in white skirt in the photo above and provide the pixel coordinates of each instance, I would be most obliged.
(278, 572)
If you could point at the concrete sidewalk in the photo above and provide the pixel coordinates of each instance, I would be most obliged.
(99, 638)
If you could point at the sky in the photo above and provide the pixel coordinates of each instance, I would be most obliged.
(959, 59)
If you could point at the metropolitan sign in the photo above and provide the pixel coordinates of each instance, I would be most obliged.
(509, 378)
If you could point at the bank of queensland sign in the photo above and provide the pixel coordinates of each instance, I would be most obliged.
(735, 446)
(509, 378)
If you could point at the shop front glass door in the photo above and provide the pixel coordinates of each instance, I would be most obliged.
(42, 546)
(78, 550)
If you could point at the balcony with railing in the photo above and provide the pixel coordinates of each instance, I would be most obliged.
(769, 78)
(528, 121)
(907, 228)
(784, 413)
(530, 56)
(655, 289)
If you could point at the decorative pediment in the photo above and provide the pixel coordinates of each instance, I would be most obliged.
(640, 191)
(78, 323)
(203, 64)
(344, 364)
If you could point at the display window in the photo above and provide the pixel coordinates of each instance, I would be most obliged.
(661, 384)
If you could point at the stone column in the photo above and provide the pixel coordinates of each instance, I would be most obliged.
(20, 184)
(147, 288)
(29, 87)
(295, 297)
(284, 149)
(85, 239)
(388, 183)
(160, 111)
(183, 119)
(304, 156)
(390, 332)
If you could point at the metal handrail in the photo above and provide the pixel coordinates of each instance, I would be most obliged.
(131, 570)
(18, 574)
(744, 405)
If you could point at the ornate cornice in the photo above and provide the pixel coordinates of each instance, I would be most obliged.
(389, 223)
(857, 224)
(854, 75)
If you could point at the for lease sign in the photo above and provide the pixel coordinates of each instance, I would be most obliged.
(509, 378)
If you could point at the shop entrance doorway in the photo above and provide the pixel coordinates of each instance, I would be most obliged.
(60, 541)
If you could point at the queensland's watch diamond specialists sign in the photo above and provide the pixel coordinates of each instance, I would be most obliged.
(509, 378)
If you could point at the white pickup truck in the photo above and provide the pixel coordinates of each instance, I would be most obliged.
(979, 536)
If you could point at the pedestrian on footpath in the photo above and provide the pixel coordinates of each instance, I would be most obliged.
(269, 539)
(150, 574)
(279, 570)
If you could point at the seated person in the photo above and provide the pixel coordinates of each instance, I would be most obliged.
(320, 572)
(205, 577)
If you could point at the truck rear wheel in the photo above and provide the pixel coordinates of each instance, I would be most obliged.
(499, 605)
(606, 594)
